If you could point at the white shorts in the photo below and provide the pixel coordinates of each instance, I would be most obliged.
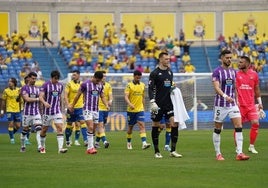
(220, 113)
(28, 120)
(47, 119)
(91, 115)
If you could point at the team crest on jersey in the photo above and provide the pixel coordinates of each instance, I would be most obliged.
(95, 92)
(229, 82)
(55, 93)
(169, 72)
(32, 95)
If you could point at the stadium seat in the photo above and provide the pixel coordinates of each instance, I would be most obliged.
(265, 68)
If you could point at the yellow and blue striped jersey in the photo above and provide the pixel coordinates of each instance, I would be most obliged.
(136, 95)
(10, 96)
(107, 91)
(72, 89)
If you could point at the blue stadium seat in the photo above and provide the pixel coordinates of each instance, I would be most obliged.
(265, 68)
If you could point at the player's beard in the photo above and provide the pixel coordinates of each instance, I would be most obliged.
(227, 64)
(242, 68)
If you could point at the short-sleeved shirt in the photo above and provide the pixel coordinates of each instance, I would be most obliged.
(11, 96)
(52, 96)
(72, 88)
(245, 85)
(30, 108)
(226, 79)
(136, 95)
(91, 94)
(107, 90)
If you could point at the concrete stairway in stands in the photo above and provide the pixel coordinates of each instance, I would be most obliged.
(47, 62)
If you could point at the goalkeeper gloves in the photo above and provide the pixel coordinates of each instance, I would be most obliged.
(260, 111)
(262, 114)
(153, 108)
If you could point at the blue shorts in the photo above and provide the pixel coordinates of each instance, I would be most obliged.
(134, 117)
(103, 116)
(76, 115)
(14, 116)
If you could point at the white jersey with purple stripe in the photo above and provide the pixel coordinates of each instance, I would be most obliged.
(91, 94)
(226, 79)
(52, 96)
(30, 108)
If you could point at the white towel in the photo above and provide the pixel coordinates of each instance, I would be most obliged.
(180, 113)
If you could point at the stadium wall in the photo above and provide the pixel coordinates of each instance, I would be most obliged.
(119, 7)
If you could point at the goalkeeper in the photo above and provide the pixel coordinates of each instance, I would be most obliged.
(160, 82)
(248, 89)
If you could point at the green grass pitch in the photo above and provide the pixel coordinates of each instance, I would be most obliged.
(119, 167)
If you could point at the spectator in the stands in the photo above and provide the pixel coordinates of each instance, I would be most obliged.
(169, 39)
(73, 62)
(123, 30)
(258, 67)
(137, 32)
(39, 73)
(80, 61)
(117, 66)
(235, 40)
(78, 30)
(264, 39)
(189, 68)
(181, 35)
(88, 58)
(140, 68)
(221, 41)
(181, 68)
(108, 61)
(28, 55)
(2, 41)
(254, 55)
(176, 50)
(98, 67)
(142, 43)
(245, 30)
(150, 44)
(246, 49)
(3, 64)
(185, 58)
(186, 46)
(101, 59)
(169, 47)
(234, 60)
(26, 69)
(34, 66)
(147, 69)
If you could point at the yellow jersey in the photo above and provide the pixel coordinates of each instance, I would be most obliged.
(10, 96)
(107, 91)
(44, 29)
(136, 95)
(71, 89)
